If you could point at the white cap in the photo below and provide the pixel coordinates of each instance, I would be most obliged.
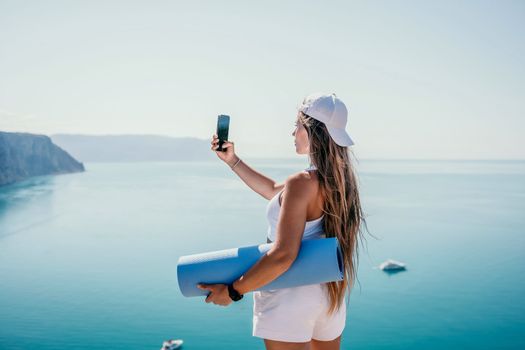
(330, 110)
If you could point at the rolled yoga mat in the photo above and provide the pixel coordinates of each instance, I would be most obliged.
(319, 260)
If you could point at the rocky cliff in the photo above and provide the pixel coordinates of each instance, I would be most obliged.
(23, 155)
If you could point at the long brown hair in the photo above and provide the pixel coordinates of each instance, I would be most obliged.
(342, 208)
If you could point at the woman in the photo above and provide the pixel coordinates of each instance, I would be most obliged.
(321, 201)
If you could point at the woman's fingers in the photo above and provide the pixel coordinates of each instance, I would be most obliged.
(208, 298)
(206, 287)
(215, 144)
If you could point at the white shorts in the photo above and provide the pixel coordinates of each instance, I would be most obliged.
(296, 314)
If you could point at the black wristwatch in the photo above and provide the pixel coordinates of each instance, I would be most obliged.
(235, 295)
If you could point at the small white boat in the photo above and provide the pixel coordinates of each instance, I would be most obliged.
(172, 344)
(392, 265)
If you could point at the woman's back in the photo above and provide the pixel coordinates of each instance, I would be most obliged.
(313, 228)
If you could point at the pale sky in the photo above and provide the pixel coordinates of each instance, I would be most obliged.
(422, 79)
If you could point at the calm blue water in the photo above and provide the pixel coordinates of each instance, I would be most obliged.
(88, 261)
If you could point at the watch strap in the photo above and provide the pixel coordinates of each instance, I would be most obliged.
(234, 294)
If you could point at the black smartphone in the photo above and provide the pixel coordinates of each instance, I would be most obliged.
(223, 124)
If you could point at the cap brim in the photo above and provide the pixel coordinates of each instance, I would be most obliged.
(340, 136)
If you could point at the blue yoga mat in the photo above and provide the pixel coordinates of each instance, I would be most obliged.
(319, 260)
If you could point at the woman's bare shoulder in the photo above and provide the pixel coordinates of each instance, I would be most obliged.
(303, 181)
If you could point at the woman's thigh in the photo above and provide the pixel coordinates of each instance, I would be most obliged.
(281, 345)
(326, 345)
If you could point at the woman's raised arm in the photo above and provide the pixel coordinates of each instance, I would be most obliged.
(258, 182)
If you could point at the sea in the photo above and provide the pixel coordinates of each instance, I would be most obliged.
(89, 260)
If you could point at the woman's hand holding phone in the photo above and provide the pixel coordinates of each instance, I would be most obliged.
(228, 155)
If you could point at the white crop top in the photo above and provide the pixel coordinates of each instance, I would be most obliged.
(313, 229)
